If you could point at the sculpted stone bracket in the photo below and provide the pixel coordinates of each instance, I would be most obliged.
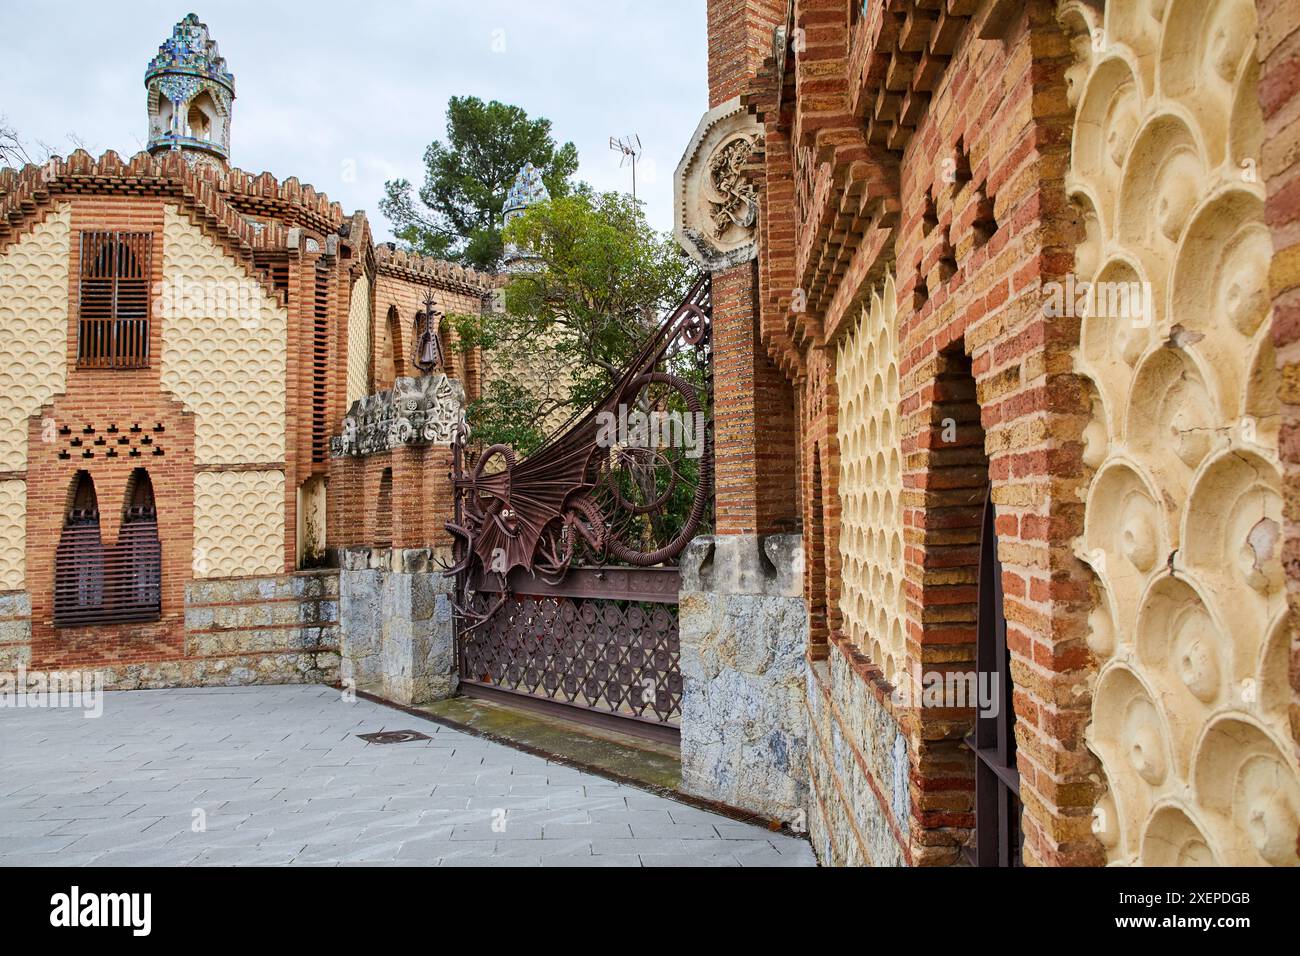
(415, 411)
(716, 206)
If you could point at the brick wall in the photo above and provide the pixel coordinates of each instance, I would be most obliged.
(1279, 93)
(904, 140)
(754, 414)
(403, 293)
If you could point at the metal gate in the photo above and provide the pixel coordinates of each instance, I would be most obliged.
(566, 589)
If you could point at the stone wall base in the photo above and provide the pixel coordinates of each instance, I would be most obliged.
(279, 629)
(744, 635)
(859, 767)
(397, 639)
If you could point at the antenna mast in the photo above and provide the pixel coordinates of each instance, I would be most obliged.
(630, 147)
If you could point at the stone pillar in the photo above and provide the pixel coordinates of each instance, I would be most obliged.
(395, 622)
(744, 631)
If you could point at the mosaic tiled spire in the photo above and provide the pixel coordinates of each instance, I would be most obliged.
(190, 95)
(528, 188)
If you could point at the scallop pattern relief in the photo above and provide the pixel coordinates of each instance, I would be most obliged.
(1183, 512)
(224, 349)
(359, 340)
(13, 535)
(871, 484)
(238, 523)
(33, 329)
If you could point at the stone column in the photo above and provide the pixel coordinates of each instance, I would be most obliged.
(395, 622)
(744, 629)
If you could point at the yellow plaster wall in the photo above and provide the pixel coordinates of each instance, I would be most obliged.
(238, 523)
(33, 329)
(225, 345)
(359, 340)
(1183, 515)
(13, 535)
(871, 484)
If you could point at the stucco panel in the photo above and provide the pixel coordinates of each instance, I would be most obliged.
(871, 484)
(225, 344)
(238, 523)
(33, 329)
(1183, 514)
(13, 535)
(359, 340)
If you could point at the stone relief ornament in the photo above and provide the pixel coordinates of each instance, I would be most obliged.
(716, 204)
(732, 199)
(416, 411)
(426, 349)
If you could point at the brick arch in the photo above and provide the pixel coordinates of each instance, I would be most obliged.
(389, 358)
(821, 502)
(951, 476)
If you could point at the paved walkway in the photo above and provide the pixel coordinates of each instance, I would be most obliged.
(277, 775)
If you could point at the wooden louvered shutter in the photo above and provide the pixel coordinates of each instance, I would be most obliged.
(137, 595)
(79, 560)
(113, 300)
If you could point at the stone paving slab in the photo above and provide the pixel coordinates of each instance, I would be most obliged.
(275, 776)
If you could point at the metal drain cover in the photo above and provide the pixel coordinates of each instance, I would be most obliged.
(393, 736)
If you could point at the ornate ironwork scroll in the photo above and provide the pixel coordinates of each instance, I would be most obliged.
(629, 481)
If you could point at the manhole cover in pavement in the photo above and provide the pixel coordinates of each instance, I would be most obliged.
(393, 736)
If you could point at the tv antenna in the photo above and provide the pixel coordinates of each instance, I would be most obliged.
(630, 147)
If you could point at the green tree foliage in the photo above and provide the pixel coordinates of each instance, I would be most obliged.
(457, 212)
(598, 282)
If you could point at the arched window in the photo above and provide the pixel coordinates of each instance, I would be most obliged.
(202, 116)
(384, 511)
(136, 587)
(394, 350)
(94, 584)
(79, 558)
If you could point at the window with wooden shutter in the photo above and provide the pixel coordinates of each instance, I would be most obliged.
(79, 559)
(138, 592)
(113, 300)
(95, 584)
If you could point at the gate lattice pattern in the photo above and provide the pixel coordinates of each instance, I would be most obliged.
(616, 656)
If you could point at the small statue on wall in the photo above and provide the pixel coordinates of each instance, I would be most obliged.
(426, 346)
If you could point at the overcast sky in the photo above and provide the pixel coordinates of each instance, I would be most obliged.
(325, 87)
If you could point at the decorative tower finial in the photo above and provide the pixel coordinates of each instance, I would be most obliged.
(528, 188)
(190, 95)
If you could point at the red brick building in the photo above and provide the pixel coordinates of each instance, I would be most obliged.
(182, 341)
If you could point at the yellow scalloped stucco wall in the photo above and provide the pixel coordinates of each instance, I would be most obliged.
(1183, 514)
(540, 373)
(33, 329)
(359, 340)
(13, 535)
(238, 523)
(224, 349)
(871, 484)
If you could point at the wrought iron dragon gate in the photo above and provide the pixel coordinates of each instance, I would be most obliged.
(566, 593)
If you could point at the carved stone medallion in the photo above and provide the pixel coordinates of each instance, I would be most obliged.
(716, 205)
